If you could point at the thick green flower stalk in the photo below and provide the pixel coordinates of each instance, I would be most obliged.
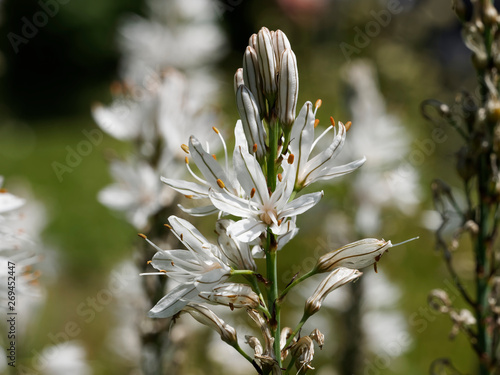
(276, 155)
(475, 117)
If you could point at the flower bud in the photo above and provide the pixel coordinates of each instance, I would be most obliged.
(280, 44)
(252, 78)
(317, 336)
(356, 255)
(207, 317)
(232, 295)
(252, 41)
(460, 9)
(267, 62)
(252, 124)
(334, 280)
(288, 89)
(238, 79)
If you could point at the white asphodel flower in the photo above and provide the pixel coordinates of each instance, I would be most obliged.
(261, 208)
(212, 172)
(302, 143)
(200, 268)
(232, 295)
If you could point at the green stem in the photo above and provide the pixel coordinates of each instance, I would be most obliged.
(297, 329)
(297, 281)
(242, 272)
(272, 275)
(256, 288)
(242, 352)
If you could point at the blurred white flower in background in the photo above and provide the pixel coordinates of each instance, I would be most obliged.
(66, 358)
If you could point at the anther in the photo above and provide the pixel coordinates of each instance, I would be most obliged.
(375, 267)
(254, 148)
(279, 222)
(185, 148)
(172, 263)
(220, 183)
(142, 236)
(182, 237)
(2, 191)
(189, 196)
(215, 157)
(252, 192)
(149, 262)
(316, 122)
(348, 125)
(332, 121)
(280, 177)
(163, 271)
(186, 160)
(215, 129)
(168, 226)
(318, 103)
(290, 158)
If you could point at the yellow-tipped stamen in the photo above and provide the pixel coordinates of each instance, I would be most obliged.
(348, 125)
(290, 158)
(254, 148)
(142, 236)
(215, 157)
(252, 192)
(186, 160)
(149, 262)
(280, 177)
(172, 263)
(182, 237)
(279, 222)
(316, 122)
(375, 267)
(167, 225)
(215, 129)
(185, 148)
(163, 271)
(318, 103)
(189, 196)
(220, 183)
(3, 191)
(332, 121)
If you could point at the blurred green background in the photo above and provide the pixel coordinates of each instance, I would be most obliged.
(48, 86)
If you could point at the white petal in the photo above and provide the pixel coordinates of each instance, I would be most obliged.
(246, 230)
(302, 136)
(301, 204)
(231, 204)
(239, 254)
(174, 301)
(199, 211)
(187, 187)
(249, 173)
(191, 237)
(239, 136)
(329, 173)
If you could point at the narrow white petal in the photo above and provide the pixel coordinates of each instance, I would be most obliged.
(302, 136)
(200, 211)
(329, 173)
(191, 237)
(246, 230)
(301, 204)
(231, 204)
(250, 174)
(187, 187)
(174, 301)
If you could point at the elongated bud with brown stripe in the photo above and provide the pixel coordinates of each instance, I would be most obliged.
(288, 89)
(267, 62)
(252, 79)
(238, 79)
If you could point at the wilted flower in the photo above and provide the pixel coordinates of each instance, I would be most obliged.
(232, 295)
(337, 278)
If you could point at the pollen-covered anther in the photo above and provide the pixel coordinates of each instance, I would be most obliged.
(290, 158)
(182, 237)
(252, 192)
(332, 121)
(3, 191)
(215, 129)
(172, 263)
(220, 183)
(215, 157)
(142, 236)
(168, 226)
(316, 123)
(318, 103)
(189, 196)
(185, 148)
(279, 222)
(149, 262)
(348, 125)
(254, 148)
(280, 177)
(164, 271)
(186, 160)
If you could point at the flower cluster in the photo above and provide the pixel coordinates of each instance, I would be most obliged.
(276, 155)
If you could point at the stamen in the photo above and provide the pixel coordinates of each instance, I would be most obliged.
(290, 158)
(375, 267)
(316, 122)
(220, 183)
(332, 121)
(2, 191)
(182, 237)
(215, 129)
(252, 192)
(411, 239)
(163, 271)
(223, 146)
(321, 136)
(185, 148)
(142, 236)
(254, 148)
(168, 226)
(215, 157)
(186, 160)
(195, 176)
(279, 222)
(318, 103)
(149, 262)
(172, 263)
(280, 177)
(189, 196)
(348, 125)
